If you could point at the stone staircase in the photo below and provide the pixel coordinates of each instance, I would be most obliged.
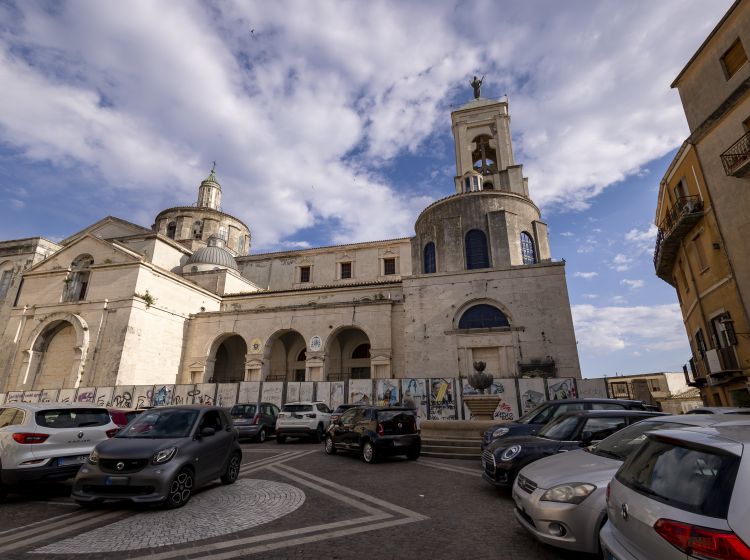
(467, 448)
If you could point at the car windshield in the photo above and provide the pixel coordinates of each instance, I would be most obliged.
(387, 415)
(561, 429)
(622, 444)
(243, 411)
(297, 408)
(72, 417)
(532, 414)
(161, 424)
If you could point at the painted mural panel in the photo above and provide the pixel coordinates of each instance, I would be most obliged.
(442, 399)
(360, 391)
(272, 392)
(592, 388)
(86, 395)
(14, 397)
(66, 396)
(162, 395)
(292, 391)
(142, 395)
(338, 393)
(306, 390)
(104, 396)
(532, 393)
(507, 408)
(123, 397)
(31, 396)
(2, 398)
(562, 388)
(204, 393)
(414, 393)
(183, 394)
(226, 394)
(249, 392)
(47, 395)
(323, 392)
(386, 392)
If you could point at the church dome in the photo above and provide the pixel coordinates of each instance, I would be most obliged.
(213, 254)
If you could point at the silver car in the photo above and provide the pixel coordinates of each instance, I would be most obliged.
(561, 499)
(684, 494)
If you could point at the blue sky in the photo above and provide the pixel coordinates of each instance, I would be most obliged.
(330, 123)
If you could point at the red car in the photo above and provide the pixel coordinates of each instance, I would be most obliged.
(122, 416)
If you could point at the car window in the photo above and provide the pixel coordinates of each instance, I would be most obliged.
(553, 411)
(267, 410)
(8, 417)
(562, 429)
(348, 416)
(323, 408)
(212, 419)
(600, 428)
(242, 411)
(275, 410)
(623, 443)
(72, 417)
(607, 406)
(297, 408)
(161, 424)
(695, 480)
(130, 415)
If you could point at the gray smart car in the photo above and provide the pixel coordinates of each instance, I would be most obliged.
(161, 457)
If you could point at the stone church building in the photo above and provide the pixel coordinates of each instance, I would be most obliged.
(184, 301)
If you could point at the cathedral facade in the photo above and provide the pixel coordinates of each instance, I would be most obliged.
(185, 301)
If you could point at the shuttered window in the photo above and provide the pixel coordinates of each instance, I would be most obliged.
(477, 255)
(346, 270)
(389, 266)
(429, 258)
(304, 274)
(733, 59)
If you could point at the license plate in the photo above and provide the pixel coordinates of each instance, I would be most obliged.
(298, 416)
(78, 460)
(117, 480)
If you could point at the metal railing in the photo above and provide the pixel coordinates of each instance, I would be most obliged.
(684, 206)
(737, 155)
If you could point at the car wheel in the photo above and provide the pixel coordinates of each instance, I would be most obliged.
(262, 435)
(318, 437)
(413, 455)
(280, 439)
(233, 469)
(368, 452)
(180, 490)
(330, 448)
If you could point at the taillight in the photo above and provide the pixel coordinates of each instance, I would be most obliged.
(381, 430)
(113, 432)
(30, 438)
(255, 420)
(702, 542)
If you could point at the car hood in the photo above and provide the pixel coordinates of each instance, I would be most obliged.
(134, 448)
(573, 466)
(503, 443)
(514, 429)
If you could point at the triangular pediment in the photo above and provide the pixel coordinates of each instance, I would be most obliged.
(102, 251)
(108, 228)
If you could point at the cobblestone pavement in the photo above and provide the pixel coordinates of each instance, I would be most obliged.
(292, 501)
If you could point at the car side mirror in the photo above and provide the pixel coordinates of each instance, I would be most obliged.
(205, 432)
(586, 438)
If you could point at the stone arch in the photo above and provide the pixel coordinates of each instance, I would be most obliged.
(226, 359)
(340, 349)
(57, 352)
(281, 357)
(480, 301)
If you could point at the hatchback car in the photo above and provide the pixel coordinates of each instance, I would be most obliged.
(503, 459)
(534, 420)
(374, 432)
(303, 419)
(255, 420)
(161, 457)
(684, 494)
(48, 441)
(561, 499)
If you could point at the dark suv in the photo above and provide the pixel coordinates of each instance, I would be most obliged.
(534, 420)
(375, 431)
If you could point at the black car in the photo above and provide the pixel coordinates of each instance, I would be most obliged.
(340, 409)
(503, 459)
(375, 431)
(534, 420)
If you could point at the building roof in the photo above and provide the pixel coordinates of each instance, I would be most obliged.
(213, 254)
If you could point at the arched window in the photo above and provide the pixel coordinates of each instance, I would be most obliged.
(172, 230)
(477, 255)
(302, 356)
(241, 244)
(429, 258)
(6, 274)
(528, 252)
(487, 186)
(77, 281)
(483, 316)
(361, 352)
(197, 229)
(223, 233)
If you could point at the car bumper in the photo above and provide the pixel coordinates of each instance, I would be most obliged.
(568, 526)
(397, 445)
(148, 485)
(39, 474)
(247, 431)
(300, 431)
(612, 549)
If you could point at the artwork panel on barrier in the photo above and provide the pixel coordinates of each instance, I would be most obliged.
(562, 388)
(338, 393)
(292, 391)
(414, 393)
(47, 395)
(442, 398)
(387, 392)
(323, 392)
(16, 397)
(272, 391)
(360, 391)
(142, 396)
(86, 395)
(249, 392)
(31, 396)
(592, 388)
(104, 395)
(66, 396)
(2, 398)
(226, 394)
(532, 393)
(204, 393)
(306, 390)
(183, 394)
(163, 395)
(123, 397)
(507, 408)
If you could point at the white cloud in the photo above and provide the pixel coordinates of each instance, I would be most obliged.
(567, 234)
(642, 241)
(621, 262)
(638, 328)
(632, 284)
(16, 204)
(586, 275)
(590, 296)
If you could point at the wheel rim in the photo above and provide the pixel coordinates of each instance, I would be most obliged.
(367, 452)
(181, 488)
(234, 467)
(262, 436)
(329, 444)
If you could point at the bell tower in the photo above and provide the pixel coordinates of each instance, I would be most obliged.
(484, 152)
(209, 193)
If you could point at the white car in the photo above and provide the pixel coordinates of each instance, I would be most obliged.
(303, 419)
(49, 441)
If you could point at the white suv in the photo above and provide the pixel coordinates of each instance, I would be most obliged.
(48, 441)
(303, 419)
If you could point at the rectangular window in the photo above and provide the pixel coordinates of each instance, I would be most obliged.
(389, 266)
(746, 124)
(346, 270)
(733, 59)
(700, 253)
(5, 282)
(684, 277)
(304, 274)
(700, 342)
(680, 191)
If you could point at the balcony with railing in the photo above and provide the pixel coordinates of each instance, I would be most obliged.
(736, 160)
(678, 221)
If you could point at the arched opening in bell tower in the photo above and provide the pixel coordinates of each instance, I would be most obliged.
(484, 156)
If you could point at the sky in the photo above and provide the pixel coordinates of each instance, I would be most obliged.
(330, 123)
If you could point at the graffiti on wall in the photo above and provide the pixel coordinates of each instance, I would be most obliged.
(532, 393)
(204, 393)
(123, 397)
(104, 396)
(162, 395)
(273, 392)
(386, 392)
(592, 388)
(68, 396)
(442, 399)
(360, 391)
(86, 395)
(183, 394)
(226, 394)
(292, 391)
(562, 389)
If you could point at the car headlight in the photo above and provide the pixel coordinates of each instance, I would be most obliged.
(163, 456)
(500, 432)
(510, 453)
(573, 493)
(94, 457)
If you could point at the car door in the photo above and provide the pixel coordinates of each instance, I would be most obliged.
(212, 450)
(596, 429)
(361, 426)
(341, 430)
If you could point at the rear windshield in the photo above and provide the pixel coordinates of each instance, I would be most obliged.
(297, 408)
(72, 417)
(344, 407)
(695, 480)
(387, 415)
(243, 411)
(622, 444)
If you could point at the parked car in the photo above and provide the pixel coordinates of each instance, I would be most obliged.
(561, 499)
(684, 494)
(255, 420)
(719, 410)
(534, 420)
(123, 416)
(375, 431)
(504, 458)
(161, 457)
(340, 409)
(48, 441)
(303, 419)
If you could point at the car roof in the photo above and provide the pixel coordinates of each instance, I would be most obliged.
(731, 435)
(693, 419)
(198, 407)
(33, 407)
(719, 410)
(305, 402)
(593, 400)
(607, 413)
